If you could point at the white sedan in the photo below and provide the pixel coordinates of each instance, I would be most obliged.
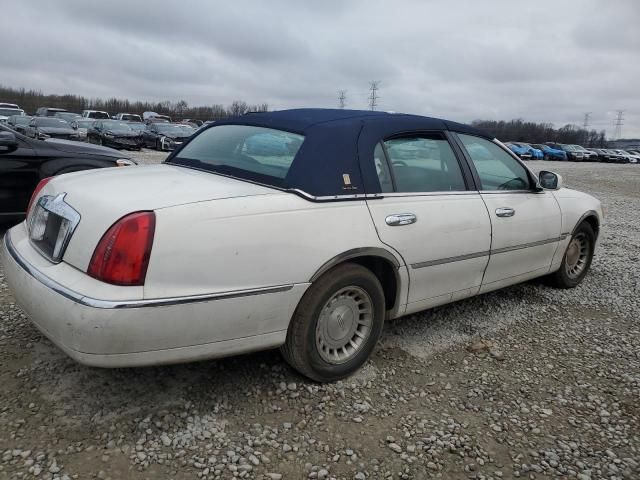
(300, 229)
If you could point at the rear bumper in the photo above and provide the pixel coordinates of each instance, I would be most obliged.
(117, 333)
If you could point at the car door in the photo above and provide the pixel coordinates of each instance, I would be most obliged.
(19, 175)
(525, 221)
(430, 216)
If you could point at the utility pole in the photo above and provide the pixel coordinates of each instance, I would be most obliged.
(374, 86)
(619, 121)
(585, 126)
(342, 98)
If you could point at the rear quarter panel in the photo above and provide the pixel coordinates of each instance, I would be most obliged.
(251, 242)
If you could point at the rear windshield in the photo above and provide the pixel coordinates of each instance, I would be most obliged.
(256, 153)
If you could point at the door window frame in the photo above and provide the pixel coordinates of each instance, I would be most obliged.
(465, 171)
(533, 181)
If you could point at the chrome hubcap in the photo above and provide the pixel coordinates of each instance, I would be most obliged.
(344, 325)
(577, 255)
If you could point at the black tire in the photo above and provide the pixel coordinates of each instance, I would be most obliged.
(562, 278)
(300, 349)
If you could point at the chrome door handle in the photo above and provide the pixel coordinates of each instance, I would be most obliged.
(505, 212)
(398, 219)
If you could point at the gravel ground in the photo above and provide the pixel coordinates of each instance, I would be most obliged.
(527, 382)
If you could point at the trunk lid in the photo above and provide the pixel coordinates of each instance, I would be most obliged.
(101, 197)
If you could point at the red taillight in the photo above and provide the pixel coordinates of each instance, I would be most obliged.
(35, 193)
(122, 255)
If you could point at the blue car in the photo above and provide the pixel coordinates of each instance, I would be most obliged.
(522, 152)
(536, 153)
(550, 153)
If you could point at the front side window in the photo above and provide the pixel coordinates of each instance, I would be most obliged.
(423, 163)
(258, 153)
(496, 168)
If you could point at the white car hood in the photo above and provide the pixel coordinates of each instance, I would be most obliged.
(106, 195)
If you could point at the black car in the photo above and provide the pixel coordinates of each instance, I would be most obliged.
(114, 133)
(166, 136)
(50, 127)
(48, 111)
(19, 122)
(573, 154)
(25, 161)
(600, 154)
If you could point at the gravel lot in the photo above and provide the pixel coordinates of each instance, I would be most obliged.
(526, 382)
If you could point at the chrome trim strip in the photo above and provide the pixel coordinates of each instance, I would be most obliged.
(113, 304)
(442, 261)
(459, 258)
(526, 245)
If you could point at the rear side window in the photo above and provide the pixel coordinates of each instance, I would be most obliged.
(240, 150)
(496, 168)
(423, 163)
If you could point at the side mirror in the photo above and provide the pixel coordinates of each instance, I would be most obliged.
(8, 140)
(550, 180)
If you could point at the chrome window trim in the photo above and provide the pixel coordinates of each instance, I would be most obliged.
(469, 256)
(116, 304)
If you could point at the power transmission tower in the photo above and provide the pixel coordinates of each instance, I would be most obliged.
(374, 86)
(342, 98)
(619, 121)
(585, 126)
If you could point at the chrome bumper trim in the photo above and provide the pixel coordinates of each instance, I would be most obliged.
(111, 304)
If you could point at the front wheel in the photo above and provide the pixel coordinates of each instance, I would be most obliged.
(336, 325)
(577, 258)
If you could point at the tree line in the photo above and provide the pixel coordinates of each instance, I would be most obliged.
(531, 132)
(31, 100)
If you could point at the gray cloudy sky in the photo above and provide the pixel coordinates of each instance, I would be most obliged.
(462, 60)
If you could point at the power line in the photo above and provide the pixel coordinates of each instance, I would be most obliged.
(619, 121)
(374, 86)
(342, 98)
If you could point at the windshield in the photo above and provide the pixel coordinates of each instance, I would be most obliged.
(256, 153)
(98, 115)
(172, 129)
(115, 125)
(67, 115)
(131, 117)
(84, 123)
(7, 112)
(138, 127)
(51, 122)
(568, 148)
(20, 119)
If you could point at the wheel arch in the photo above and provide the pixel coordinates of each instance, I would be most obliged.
(591, 217)
(382, 263)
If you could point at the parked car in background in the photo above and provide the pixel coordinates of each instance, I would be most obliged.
(522, 152)
(627, 157)
(166, 136)
(114, 133)
(6, 112)
(49, 127)
(97, 114)
(48, 111)
(536, 153)
(128, 117)
(81, 126)
(614, 157)
(10, 105)
(586, 154)
(68, 116)
(572, 153)
(218, 252)
(19, 122)
(192, 122)
(599, 154)
(24, 162)
(550, 153)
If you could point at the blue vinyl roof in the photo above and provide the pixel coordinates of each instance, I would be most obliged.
(339, 144)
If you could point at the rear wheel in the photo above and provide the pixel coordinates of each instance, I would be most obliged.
(336, 325)
(577, 258)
